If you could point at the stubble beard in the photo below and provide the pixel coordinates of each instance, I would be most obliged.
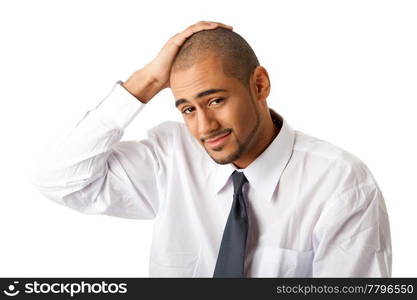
(242, 146)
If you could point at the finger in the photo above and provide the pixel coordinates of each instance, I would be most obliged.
(208, 25)
(222, 25)
(179, 38)
(200, 26)
(204, 25)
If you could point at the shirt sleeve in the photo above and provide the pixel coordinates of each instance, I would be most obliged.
(352, 237)
(92, 171)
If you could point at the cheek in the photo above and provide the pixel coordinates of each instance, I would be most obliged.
(192, 128)
(239, 117)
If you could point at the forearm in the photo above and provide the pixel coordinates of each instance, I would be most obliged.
(80, 157)
(143, 85)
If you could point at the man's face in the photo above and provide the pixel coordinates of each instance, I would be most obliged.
(218, 110)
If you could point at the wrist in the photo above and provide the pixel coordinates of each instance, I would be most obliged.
(142, 85)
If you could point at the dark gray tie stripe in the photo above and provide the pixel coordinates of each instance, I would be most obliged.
(231, 258)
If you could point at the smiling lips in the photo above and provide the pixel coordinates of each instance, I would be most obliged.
(218, 141)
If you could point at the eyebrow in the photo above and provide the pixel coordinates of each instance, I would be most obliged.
(199, 95)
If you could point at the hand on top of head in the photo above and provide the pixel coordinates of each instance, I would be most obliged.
(162, 63)
(148, 81)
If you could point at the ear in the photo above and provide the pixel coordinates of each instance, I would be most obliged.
(260, 83)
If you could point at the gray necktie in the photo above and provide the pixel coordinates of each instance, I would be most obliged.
(231, 258)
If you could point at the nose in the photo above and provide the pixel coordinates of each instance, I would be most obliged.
(207, 123)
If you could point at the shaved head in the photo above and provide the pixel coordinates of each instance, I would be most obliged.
(221, 90)
(237, 57)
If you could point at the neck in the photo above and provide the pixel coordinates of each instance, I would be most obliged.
(267, 133)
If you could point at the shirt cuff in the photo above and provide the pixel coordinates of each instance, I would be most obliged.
(119, 108)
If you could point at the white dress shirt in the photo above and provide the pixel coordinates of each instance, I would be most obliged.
(315, 210)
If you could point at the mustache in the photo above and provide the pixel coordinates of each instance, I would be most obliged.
(216, 134)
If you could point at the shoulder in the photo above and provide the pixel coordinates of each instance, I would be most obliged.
(315, 147)
(350, 185)
(176, 134)
(171, 130)
(166, 128)
(331, 160)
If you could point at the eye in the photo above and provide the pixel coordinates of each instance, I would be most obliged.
(187, 111)
(216, 101)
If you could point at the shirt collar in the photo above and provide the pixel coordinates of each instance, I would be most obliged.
(265, 171)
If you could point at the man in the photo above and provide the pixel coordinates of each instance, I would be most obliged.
(235, 191)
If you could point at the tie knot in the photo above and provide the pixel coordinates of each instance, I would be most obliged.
(239, 180)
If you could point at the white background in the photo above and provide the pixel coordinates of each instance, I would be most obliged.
(343, 71)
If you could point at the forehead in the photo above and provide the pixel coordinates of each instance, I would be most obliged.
(206, 74)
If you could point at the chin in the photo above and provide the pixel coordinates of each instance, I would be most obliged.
(221, 161)
(224, 158)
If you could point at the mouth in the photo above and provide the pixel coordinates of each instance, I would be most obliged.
(219, 140)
